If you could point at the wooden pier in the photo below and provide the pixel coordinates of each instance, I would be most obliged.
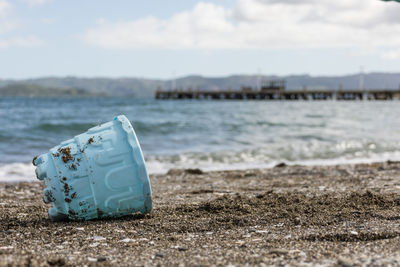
(389, 94)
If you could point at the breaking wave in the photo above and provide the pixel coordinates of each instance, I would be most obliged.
(212, 135)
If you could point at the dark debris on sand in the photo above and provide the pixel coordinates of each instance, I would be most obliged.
(296, 215)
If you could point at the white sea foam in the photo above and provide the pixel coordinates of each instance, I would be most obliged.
(15, 172)
(208, 164)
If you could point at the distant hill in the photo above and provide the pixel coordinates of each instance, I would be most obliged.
(34, 90)
(138, 87)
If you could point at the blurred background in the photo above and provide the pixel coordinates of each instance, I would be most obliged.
(66, 66)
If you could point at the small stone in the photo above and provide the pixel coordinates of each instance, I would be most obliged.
(194, 171)
(92, 259)
(353, 232)
(174, 172)
(302, 254)
(344, 262)
(93, 245)
(127, 240)
(280, 165)
(99, 238)
(252, 230)
(56, 262)
(182, 248)
(240, 242)
(160, 255)
(278, 251)
(297, 221)
(100, 259)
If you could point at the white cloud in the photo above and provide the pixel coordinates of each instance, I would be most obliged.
(391, 54)
(4, 8)
(6, 23)
(47, 20)
(258, 24)
(8, 26)
(200, 27)
(36, 2)
(25, 41)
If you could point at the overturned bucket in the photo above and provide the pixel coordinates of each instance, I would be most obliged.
(100, 173)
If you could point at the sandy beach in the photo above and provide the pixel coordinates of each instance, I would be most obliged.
(330, 215)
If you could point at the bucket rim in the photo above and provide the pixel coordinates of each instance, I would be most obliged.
(139, 158)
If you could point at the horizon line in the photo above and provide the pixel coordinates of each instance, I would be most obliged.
(195, 75)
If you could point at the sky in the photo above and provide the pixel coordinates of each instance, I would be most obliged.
(174, 38)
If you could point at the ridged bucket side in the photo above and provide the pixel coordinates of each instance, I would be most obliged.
(100, 173)
(139, 159)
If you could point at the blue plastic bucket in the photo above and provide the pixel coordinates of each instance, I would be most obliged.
(100, 173)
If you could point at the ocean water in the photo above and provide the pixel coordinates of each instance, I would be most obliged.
(210, 135)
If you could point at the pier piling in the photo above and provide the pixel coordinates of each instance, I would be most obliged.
(287, 95)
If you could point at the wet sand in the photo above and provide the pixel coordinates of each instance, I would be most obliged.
(330, 215)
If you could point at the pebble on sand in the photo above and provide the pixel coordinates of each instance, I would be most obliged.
(278, 251)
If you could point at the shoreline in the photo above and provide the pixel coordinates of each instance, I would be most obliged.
(26, 171)
(297, 215)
